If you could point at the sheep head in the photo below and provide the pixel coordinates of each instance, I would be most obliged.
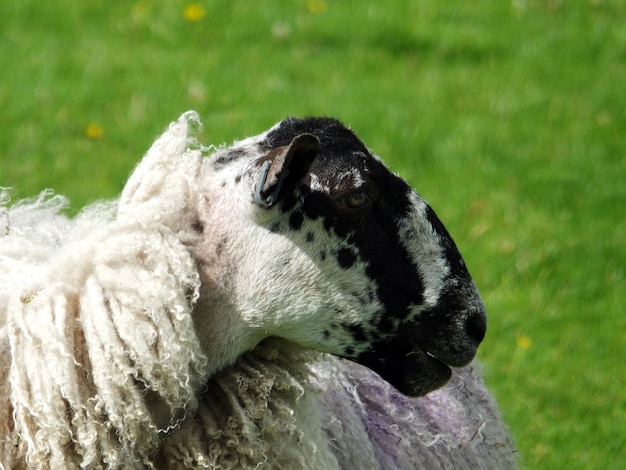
(304, 234)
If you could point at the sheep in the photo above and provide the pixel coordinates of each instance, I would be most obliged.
(285, 302)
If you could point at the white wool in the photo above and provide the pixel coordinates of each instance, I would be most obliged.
(96, 319)
(101, 365)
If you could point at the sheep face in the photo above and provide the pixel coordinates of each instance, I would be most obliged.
(336, 253)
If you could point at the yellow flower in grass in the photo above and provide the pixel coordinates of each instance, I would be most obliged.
(523, 342)
(316, 6)
(94, 130)
(194, 12)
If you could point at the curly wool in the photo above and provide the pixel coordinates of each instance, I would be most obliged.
(259, 413)
(457, 426)
(96, 332)
(283, 407)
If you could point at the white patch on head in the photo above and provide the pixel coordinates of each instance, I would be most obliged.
(353, 176)
(423, 244)
(357, 178)
(316, 184)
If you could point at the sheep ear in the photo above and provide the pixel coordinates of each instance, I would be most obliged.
(290, 161)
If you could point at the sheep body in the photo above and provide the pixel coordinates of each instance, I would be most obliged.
(103, 364)
(284, 407)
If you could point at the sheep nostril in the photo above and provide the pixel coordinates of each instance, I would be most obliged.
(476, 327)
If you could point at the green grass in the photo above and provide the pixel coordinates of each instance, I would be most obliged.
(509, 117)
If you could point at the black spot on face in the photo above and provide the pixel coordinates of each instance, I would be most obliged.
(385, 325)
(288, 201)
(310, 237)
(197, 226)
(357, 332)
(346, 258)
(228, 157)
(328, 223)
(219, 248)
(296, 219)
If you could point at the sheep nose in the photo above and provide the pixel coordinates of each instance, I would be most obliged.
(476, 327)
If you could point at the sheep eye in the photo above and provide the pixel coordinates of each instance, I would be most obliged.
(357, 200)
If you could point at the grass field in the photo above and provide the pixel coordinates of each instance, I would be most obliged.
(509, 117)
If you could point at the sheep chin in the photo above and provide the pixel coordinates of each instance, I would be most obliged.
(413, 374)
(423, 374)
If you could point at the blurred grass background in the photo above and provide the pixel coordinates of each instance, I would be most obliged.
(509, 117)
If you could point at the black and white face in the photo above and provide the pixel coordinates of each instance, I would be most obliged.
(372, 274)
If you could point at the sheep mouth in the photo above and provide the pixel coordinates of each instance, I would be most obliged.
(413, 374)
(424, 373)
(434, 358)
